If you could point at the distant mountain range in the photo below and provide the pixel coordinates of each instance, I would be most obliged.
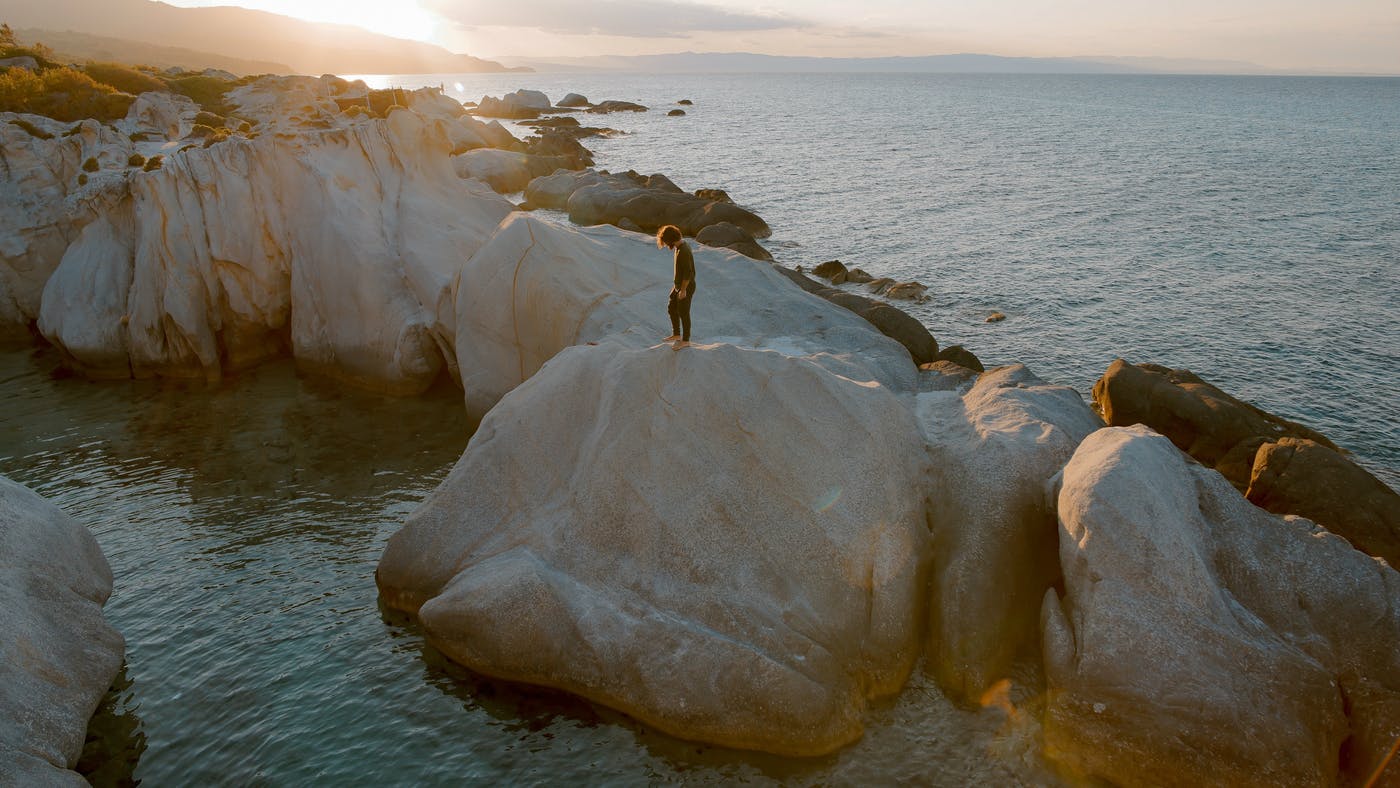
(749, 63)
(254, 39)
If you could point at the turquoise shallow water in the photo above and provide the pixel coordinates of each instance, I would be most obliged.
(243, 525)
(1246, 228)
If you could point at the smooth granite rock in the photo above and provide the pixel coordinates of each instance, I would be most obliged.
(689, 536)
(1201, 640)
(994, 446)
(58, 655)
(339, 246)
(538, 287)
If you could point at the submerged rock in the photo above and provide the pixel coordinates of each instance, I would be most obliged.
(58, 655)
(1201, 640)
(539, 287)
(993, 449)
(829, 269)
(681, 589)
(615, 106)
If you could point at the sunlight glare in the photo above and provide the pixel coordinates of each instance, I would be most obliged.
(403, 19)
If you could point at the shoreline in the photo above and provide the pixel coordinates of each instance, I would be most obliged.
(868, 361)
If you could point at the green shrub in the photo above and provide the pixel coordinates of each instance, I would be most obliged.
(218, 136)
(82, 179)
(91, 165)
(201, 130)
(136, 160)
(123, 79)
(34, 131)
(154, 163)
(62, 94)
(41, 54)
(245, 128)
(207, 92)
(210, 119)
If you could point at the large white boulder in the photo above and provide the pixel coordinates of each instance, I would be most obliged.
(1201, 640)
(539, 286)
(725, 543)
(339, 245)
(58, 655)
(165, 116)
(993, 449)
(41, 165)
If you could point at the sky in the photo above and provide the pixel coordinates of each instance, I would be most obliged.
(1340, 35)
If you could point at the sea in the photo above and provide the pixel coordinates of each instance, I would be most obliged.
(1245, 228)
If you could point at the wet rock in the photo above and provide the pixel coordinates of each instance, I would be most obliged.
(879, 285)
(1217, 429)
(856, 276)
(718, 610)
(675, 113)
(559, 146)
(828, 269)
(730, 236)
(685, 102)
(995, 317)
(961, 356)
(905, 291)
(1202, 640)
(58, 655)
(1303, 477)
(993, 450)
(615, 106)
(573, 100)
(905, 330)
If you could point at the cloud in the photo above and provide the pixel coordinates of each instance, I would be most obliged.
(628, 18)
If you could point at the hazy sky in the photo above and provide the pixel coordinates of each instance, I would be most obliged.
(1358, 35)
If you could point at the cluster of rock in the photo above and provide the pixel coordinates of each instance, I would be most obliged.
(838, 274)
(58, 655)
(531, 104)
(694, 537)
(1280, 465)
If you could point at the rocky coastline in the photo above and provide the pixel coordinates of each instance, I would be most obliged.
(1210, 587)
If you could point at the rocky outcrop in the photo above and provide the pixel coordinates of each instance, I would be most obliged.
(252, 248)
(539, 287)
(522, 104)
(1222, 432)
(961, 356)
(891, 322)
(993, 449)
(1281, 465)
(829, 269)
(506, 171)
(1303, 477)
(160, 117)
(58, 655)
(1201, 640)
(647, 201)
(730, 236)
(37, 176)
(606, 107)
(713, 609)
(574, 100)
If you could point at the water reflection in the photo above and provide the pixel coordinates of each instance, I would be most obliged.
(243, 524)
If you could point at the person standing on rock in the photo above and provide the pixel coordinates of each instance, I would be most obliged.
(683, 284)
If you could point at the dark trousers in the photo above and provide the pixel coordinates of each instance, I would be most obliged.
(679, 310)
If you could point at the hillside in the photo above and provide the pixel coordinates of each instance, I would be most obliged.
(254, 36)
(83, 46)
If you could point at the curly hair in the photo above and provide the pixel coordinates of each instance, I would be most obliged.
(670, 235)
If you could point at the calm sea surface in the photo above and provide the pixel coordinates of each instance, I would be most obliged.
(1246, 228)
